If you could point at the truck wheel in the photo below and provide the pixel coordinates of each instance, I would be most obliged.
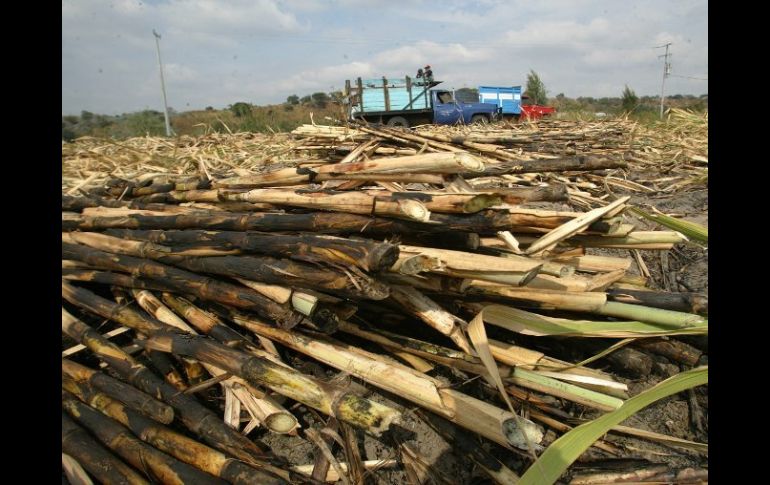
(479, 120)
(398, 121)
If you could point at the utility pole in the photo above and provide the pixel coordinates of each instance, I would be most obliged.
(162, 84)
(666, 73)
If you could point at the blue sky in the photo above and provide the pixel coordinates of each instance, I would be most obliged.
(216, 53)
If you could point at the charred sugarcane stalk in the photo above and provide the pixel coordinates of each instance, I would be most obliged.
(113, 279)
(568, 164)
(100, 462)
(366, 254)
(177, 445)
(192, 414)
(129, 395)
(186, 282)
(166, 469)
(350, 283)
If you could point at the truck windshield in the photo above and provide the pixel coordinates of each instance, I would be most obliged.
(445, 97)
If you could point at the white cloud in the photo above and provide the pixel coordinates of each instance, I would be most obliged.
(219, 52)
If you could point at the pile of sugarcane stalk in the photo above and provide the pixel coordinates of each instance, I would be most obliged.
(197, 283)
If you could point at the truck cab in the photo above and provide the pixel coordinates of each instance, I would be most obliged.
(448, 111)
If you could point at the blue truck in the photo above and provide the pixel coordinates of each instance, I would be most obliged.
(410, 102)
(512, 103)
(508, 99)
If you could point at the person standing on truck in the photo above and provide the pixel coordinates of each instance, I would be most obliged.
(420, 74)
(428, 74)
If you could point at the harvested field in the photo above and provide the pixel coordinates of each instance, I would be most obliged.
(500, 303)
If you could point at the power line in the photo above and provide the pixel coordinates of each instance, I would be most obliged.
(690, 77)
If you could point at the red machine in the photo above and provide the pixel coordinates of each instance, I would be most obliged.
(534, 111)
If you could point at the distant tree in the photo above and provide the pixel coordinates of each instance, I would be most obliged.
(241, 109)
(320, 99)
(629, 100)
(536, 89)
(305, 100)
(86, 115)
(293, 99)
(209, 108)
(147, 122)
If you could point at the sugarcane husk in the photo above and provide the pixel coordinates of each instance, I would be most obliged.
(681, 302)
(540, 281)
(166, 469)
(660, 240)
(175, 444)
(593, 263)
(412, 264)
(573, 227)
(415, 178)
(461, 260)
(366, 254)
(324, 397)
(186, 282)
(100, 462)
(483, 418)
(517, 356)
(436, 163)
(192, 414)
(591, 302)
(414, 302)
(443, 202)
(350, 202)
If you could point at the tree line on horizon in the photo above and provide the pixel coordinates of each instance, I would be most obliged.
(245, 116)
